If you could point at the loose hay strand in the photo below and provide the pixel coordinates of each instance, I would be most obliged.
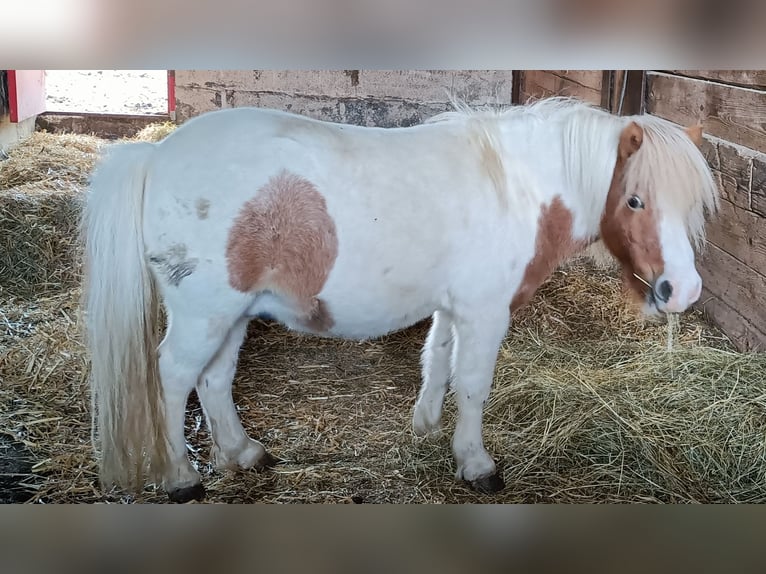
(672, 320)
(587, 404)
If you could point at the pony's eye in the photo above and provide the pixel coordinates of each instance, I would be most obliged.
(635, 203)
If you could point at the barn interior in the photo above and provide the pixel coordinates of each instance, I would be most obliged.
(591, 403)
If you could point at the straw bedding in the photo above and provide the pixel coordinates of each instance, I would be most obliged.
(589, 405)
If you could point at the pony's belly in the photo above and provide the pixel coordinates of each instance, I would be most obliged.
(375, 308)
(370, 326)
(346, 318)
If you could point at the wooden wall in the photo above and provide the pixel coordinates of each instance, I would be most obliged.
(382, 98)
(732, 108)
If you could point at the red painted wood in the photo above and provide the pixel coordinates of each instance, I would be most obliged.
(171, 91)
(26, 96)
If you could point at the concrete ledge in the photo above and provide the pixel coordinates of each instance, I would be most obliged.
(13, 133)
(109, 126)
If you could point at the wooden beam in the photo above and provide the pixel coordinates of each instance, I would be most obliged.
(633, 102)
(744, 78)
(517, 77)
(731, 113)
(608, 88)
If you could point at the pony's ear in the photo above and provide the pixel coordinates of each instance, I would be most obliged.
(695, 134)
(631, 139)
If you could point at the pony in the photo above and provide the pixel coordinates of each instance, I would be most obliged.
(354, 232)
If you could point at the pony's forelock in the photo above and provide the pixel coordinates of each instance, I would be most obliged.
(670, 167)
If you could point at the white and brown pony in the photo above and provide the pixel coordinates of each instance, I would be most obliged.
(355, 232)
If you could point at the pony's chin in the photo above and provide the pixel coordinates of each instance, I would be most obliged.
(649, 309)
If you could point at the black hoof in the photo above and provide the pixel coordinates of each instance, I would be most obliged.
(268, 461)
(187, 494)
(489, 484)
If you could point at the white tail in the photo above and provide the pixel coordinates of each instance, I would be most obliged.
(121, 314)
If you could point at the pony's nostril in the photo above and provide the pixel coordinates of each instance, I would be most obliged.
(664, 291)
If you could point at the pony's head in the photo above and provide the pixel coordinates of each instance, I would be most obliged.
(661, 192)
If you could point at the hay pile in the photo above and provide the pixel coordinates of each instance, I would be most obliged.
(588, 406)
(155, 132)
(41, 185)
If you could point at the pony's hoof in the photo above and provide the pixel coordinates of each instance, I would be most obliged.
(488, 484)
(268, 460)
(187, 494)
(249, 455)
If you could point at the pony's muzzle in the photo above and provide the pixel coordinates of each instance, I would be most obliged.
(676, 295)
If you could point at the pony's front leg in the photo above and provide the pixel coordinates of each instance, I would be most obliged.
(479, 334)
(437, 371)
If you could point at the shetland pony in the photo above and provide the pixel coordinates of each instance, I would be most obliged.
(355, 232)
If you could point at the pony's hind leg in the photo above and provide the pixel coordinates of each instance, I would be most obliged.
(437, 371)
(479, 335)
(188, 347)
(232, 448)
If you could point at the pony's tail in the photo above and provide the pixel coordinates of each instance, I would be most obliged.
(121, 314)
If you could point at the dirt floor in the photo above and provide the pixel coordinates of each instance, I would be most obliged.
(107, 91)
(590, 404)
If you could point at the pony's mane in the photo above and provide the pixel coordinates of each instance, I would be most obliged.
(589, 155)
(670, 166)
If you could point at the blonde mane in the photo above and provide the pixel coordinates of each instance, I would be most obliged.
(589, 158)
(669, 165)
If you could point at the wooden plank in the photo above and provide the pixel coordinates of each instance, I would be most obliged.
(741, 287)
(758, 186)
(591, 79)
(536, 84)
(740, 173)
(740, 233)
(744, 78)
(734, 114)
(584, 84)
(744, 335)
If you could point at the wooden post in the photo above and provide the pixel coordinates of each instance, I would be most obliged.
(607, 89)
(516, 76)
(635, 87)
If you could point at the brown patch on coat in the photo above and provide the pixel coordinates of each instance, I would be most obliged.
(553, 245)
(631, 236)
(203, 207)
(283, 239)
